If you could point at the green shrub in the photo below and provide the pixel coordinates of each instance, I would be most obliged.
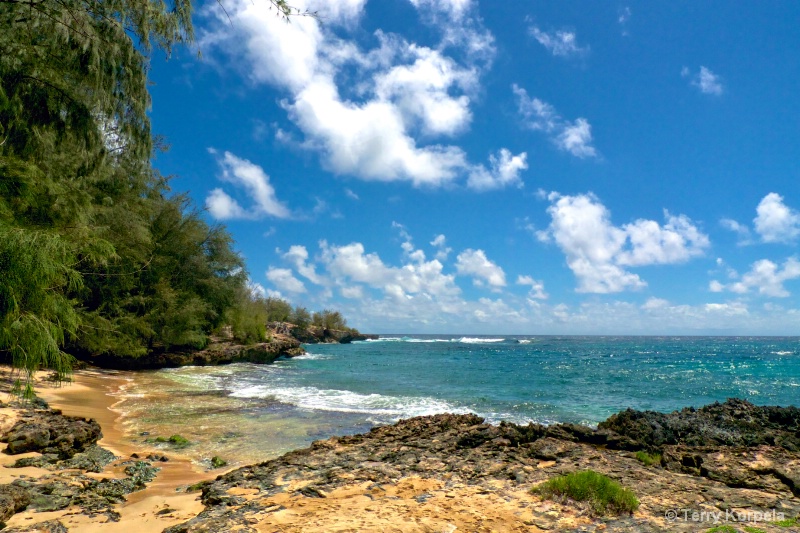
(722, 529)
(218, 462)
(751, 529)
(648, 459)
(603, 494)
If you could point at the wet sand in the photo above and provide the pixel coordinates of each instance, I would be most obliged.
(92, 395)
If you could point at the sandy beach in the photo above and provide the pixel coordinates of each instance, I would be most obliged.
(425, 474)
(92, 395)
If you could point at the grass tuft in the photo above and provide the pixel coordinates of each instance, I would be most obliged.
(722, 529)
(648, 459)
(603, 494)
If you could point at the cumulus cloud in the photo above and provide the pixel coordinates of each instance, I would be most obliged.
(422, 296)
(284, 280)
(483, 271)
(775, 222)
(536, 291)
(253, 181)
(597, 251)
(504, 170)
(371, 114)
(764, 277)
(560, 43)
(574, 137)
(442, 250)
(706, 81)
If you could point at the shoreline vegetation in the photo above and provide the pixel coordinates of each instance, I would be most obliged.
(432, 473)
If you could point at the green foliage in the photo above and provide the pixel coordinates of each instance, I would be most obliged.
(300, 317)
(648, 459)
(96, 257)
(604, 495)
(218, 462)
(722, 529)
(751, 529)
(329, 319)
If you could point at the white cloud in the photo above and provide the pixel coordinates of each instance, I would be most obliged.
(741, 230)
(765, 277)
(775, 221)
(255, 183)
(370, 114)
(705, 80)
(483, 271)
(454, 8)
(573, 137)
(597, 251)
(561, 43)
(536, 287)
(420, 296)
(504, 172)
(350, 194)
(284, 280)
(442, 250)
(297, 256)
(651, 244)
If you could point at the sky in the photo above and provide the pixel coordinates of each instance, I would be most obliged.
(465, 166)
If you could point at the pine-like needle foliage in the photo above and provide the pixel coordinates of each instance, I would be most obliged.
(96, 255)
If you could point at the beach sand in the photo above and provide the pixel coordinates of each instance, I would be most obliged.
(91, 395)
(413, 503)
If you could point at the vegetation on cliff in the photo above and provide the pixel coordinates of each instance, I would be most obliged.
(97, 255)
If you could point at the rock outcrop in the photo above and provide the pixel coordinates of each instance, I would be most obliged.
(50, 432)
(68, 450)
(219, 352)
(318, 335)
(718, 459)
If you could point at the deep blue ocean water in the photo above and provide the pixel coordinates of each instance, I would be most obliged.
(340, 389)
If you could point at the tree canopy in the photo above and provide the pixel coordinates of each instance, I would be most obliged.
(97, 255)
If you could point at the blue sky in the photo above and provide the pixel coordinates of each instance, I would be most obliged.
(459, 166)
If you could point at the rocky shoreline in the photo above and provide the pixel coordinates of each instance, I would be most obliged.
(285, 340)
(733, 458)
(732, 464)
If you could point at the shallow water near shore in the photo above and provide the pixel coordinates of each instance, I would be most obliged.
(249, 413)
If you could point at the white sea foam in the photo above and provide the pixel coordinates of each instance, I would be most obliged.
(782, 352)
(477, 340)
(350, 402)
(311, 356)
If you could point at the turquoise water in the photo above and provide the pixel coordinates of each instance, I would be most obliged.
(340, 389)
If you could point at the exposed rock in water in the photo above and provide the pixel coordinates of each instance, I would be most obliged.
(732, 465)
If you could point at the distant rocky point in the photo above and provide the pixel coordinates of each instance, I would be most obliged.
(317, 334)
(284, 339)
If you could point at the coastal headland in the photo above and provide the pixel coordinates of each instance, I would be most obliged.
(731, 464)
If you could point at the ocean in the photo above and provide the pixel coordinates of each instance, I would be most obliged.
(248, 413)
